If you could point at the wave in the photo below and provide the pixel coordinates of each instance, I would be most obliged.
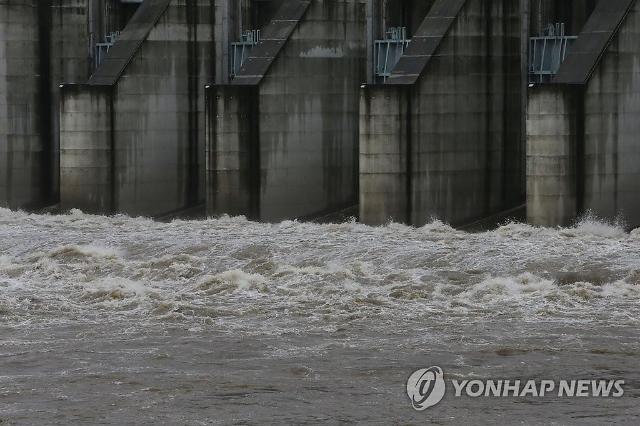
(73, 251)
(57, 268)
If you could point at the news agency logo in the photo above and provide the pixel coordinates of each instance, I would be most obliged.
(427, 387)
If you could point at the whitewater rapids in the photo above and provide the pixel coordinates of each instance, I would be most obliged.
(118, 319)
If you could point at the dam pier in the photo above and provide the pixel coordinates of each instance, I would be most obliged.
(282, 109)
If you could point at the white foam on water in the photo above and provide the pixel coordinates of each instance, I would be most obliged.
(228, 270)
(114, 290)
(499, 289)
(232, 282)
(591, 225)
(86, 251)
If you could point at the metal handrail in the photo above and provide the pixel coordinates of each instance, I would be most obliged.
(547, 53)
(101, 49)
(388, 51)
(240, 50)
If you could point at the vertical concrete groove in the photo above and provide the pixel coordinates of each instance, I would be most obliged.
(579, 123)
(44, 103)
(193, 173)
(212, 36)
(112, 154)
(255, 161)
(505, 119)
(407, 98)
(489, 106)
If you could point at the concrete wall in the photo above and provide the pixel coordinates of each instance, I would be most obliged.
(583, 152)
(42, 44)
(70, 60)
(158, 112)
(309, 114)
(23, 150)
(307, 118)
(465, 120)
(612, 128)
(87, 154)
(384, 155)
(552, 141)
(233, 162)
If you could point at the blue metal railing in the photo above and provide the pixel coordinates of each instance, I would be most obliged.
(101, 49)
(240, 50)
(547, 52)
(387, 52)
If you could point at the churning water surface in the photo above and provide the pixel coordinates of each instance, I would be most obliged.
(130, 321)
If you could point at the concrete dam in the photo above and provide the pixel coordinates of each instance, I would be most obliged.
(281, 109)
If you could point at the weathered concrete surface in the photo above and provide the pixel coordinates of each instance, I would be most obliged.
(595, 112)
(552, 133)
(465, 116)
(157, 72)
(86, 128)
(384, 155)
(596, 35)
(309, 119)
(70, 60)
(233, 162)
(467, 119)
(306, 112)
(612, 128)
(23, 148)
(43, 43)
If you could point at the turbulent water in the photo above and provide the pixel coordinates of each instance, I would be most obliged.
(121, 320)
